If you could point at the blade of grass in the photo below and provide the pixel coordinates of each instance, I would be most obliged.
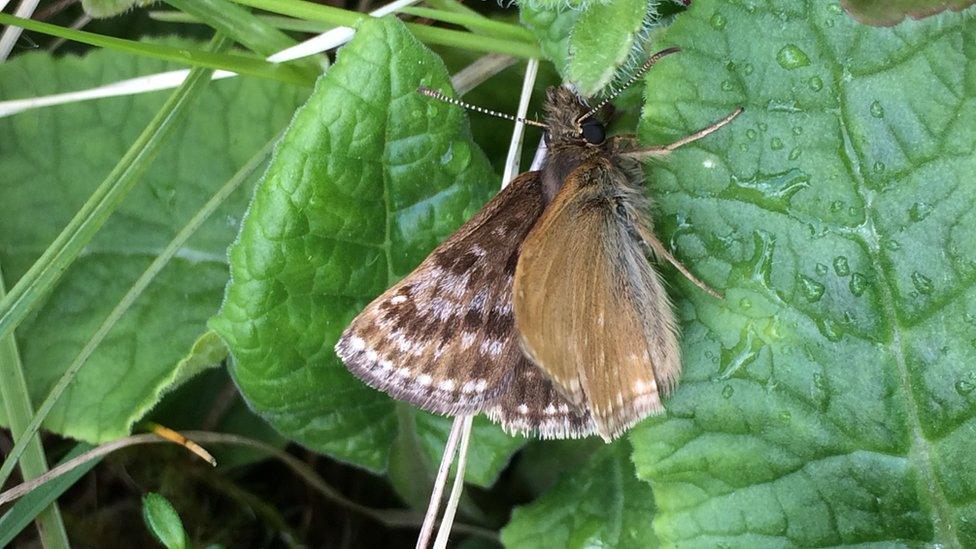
(473, 23)
(47, 270)
(245, 28)
(431, 35)
(23, 512)
(17, 404)
(251, 66)
(276, 21)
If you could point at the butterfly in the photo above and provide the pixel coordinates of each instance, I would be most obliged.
(542, 311)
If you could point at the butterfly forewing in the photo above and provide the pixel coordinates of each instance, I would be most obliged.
(443, 338)
(591, 311)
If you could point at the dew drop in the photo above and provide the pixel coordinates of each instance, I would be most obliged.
(836, 206)
(834, 9)
(751, 134)
(830, 329)
(877, 110)
(775, 143)
(792, 57)
(965, 386)
(727, 85)
(763, 126)
(919, 211)
(858, 284)
(727, 392)
(821, 269)
(795, 153)
(743, 147)
(745, 304)
(785, 416)
(970, 318)
(747, 69)
(818, 381)
(922, 283)
(879, 167)
(841, 266)
(816, 83)
(891, 245)
(797, 130)
(811, 289)
(718, 21)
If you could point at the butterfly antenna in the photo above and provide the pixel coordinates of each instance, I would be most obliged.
(637, 76)
(440, 96)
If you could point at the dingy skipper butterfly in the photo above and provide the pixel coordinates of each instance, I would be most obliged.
(542, 310)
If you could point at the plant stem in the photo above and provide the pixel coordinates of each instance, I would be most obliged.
(240, 64)
(44, 274)
(17, 404)
(474, 24)
(432, 35)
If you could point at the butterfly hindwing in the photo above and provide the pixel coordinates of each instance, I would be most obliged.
(531, 404)
(591, 311)
(443, 338)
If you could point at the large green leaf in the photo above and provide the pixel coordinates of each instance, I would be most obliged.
(829, 399)
(890, 12)
(369, 178)
(51, 159)
(603, 504)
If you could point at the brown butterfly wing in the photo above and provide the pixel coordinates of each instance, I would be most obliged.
(590, 310)
(443, 338)
(531, 404)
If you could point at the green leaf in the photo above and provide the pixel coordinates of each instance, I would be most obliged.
(891, 12)
(551, 28)
(829, 398)
(602, 504)
(163, 521)
(51, 160)
(109, 8)
(368, 179)
(605, 39)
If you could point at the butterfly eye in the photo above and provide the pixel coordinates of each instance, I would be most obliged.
(593, 132)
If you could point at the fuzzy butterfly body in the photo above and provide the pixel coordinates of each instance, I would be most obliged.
(542, 311)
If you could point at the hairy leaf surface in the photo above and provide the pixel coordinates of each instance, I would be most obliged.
(829, 399)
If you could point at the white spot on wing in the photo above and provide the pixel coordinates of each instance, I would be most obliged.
(398, 299)
(523, 409)
(357, 343)
(446, 385)
(425, 380)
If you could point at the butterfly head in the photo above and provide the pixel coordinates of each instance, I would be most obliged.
(568, 120)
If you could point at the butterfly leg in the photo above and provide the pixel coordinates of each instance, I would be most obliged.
(640, 154)
(658, 249)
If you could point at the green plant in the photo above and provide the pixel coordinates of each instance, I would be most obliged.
(827, 400)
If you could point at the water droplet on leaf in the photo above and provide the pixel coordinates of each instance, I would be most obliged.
(858, 284)
(841, 267)
(795, 153)
(727, 85)
(922, 283)
(727, 392)
(821, 269)
(965, 386)
(792, 57)
(877, 110)
(816, 83)
(811, 289)
(718, 21)
(919, 211)
(751, 134)
(776, 144)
